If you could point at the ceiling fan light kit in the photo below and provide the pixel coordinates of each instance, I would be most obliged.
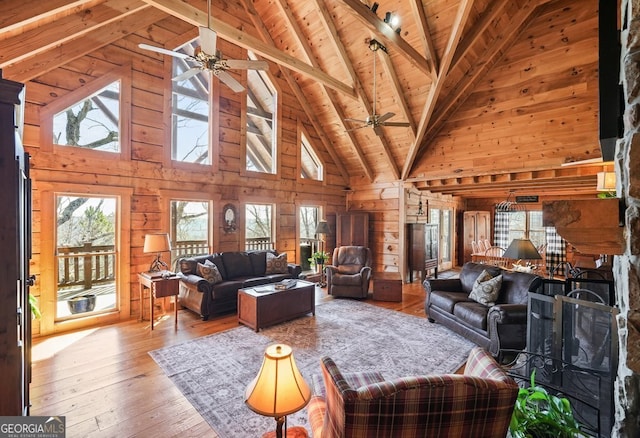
(208, 58)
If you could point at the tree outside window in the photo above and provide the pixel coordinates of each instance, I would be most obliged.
(259, 226)
(189, 228)
(93, 123)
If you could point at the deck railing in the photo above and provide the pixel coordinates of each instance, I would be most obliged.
(86, 265)
(258, 243)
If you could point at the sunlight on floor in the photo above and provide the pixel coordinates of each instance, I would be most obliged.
(49, 347)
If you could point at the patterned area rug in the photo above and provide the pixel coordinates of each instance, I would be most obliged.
(213, 371)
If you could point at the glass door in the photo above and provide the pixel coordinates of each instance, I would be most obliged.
(86, 254)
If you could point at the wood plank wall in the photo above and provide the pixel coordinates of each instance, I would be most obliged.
(146, 173)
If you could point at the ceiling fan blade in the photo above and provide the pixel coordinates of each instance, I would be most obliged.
(164, 51)
(356, 121)
(405, 124)
(229, 81)
(378, 130)
(186, 74)
(385, 116)
(245, 64)
(208, 39)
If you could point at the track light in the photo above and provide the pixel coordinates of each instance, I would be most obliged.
(374, 7)
(398, 30)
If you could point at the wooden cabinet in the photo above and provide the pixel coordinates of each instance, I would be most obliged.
(352, 229)
(422, 245)
(476, 226)
(15, 235)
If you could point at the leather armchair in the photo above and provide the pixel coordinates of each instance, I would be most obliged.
(350, 272)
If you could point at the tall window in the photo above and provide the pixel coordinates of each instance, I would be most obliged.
(445, 226)
(190, 112)
(190, 222)
(520, 224)
(309, 217)
(311, 166)
(261, 132)
(93, 123)
(86, 253)
(259, 226)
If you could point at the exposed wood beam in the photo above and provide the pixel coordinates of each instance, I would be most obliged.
(512, 31)
(425, 34)
(335, 39)
(390, 38)
(35, 66)
(306, 49)
(434, 92)
(297, 91)
(494, 9)
(50, 35)
(397, 90)
(197, 17)
(18, 13)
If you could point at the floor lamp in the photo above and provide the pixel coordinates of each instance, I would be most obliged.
(321, 231)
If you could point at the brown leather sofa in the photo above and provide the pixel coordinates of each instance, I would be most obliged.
(238, 270)
(502, 326)
(350, 272)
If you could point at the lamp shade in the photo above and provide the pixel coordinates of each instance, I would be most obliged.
(521, 249)
(323, 228)
(278, 389)
(157, 242)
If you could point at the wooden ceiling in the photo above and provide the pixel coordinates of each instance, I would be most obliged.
(499, 95)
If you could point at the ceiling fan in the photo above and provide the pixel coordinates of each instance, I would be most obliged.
(375, 120)
(207, 57)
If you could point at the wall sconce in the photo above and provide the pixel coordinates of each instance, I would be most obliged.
(420, 210)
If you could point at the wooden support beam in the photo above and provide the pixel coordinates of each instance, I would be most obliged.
(19, 13)
(195, 16)
(425, 34)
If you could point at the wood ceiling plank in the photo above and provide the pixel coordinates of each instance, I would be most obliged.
(425, 34)
(18, 13)
(454, 38)
(387, 34)
(48, 36)
(33, 67)
(397, 89)
(297, 91)
(197, 17)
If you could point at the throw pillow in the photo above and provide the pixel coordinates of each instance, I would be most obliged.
(209, 272)
(277, 264)
(486, 289)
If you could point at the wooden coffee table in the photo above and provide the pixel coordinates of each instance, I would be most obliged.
(262, 306)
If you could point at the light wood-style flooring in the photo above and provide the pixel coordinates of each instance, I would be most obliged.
(106, 385)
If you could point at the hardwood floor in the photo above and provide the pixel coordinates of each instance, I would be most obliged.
(106, 385)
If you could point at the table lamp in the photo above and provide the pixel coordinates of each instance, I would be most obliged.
(521, 249)
(279, 389)
(158, 243)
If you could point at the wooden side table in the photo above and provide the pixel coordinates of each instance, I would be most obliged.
(387, 286)
(158, 288)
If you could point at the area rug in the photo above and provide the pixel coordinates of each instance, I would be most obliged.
(213, 371)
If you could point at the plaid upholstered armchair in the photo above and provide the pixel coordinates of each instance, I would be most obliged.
(350, 272)
(476, 404)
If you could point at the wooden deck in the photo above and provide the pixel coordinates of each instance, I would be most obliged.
(106, 384)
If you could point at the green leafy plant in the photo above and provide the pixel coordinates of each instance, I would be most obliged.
(319, 255)
(35, 310)
(539, 414)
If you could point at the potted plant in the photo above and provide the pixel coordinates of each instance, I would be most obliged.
(319, 258)
(540, 414)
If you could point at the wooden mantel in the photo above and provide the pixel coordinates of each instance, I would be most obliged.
(593, 226)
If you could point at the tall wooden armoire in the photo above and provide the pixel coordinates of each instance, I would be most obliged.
(15, 238)
(352, 229)
(476, 226)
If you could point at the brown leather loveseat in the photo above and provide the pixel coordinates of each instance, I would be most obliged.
(495, 327)
(236, 269)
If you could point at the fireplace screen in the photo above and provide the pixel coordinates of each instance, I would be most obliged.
(572, 344)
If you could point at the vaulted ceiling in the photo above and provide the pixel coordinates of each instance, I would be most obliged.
(498, 95)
